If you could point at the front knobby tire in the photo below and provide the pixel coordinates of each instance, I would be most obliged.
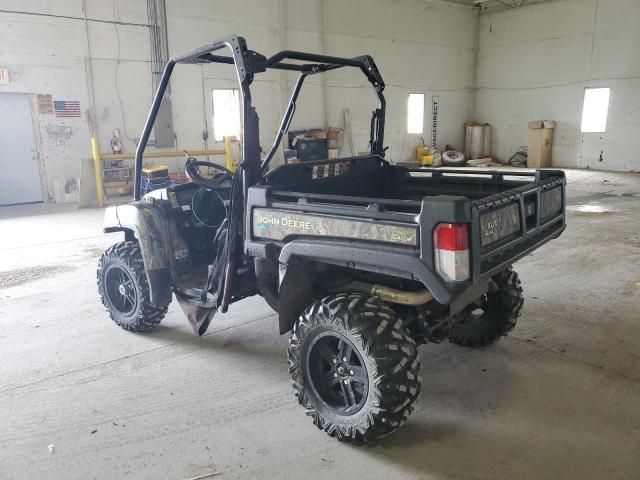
(493, 316)
(354, 367)
(124, 290)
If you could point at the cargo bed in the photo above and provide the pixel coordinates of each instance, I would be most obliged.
(508, 213)
(371, 179)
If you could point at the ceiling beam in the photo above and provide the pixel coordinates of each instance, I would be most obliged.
(493, 5)
(497, 5)
(465, 3)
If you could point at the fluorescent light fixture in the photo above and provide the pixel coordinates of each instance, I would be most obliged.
(226, 114)
(415, 113)
(595, 110)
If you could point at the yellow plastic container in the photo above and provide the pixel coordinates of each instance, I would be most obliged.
(426, 160)
(421, 151)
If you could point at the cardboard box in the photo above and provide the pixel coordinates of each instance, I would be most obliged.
(540, 144)
(335, 137)
(337, 144)
(335, 133)
(317, 133)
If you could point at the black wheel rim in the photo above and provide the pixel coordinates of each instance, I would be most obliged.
(120, 290)
(337, 373)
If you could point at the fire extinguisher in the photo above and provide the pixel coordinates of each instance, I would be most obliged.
(116, 143)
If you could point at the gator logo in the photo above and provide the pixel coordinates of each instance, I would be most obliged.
(403, 236)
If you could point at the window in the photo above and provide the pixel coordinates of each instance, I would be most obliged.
(226, 114)
(594, 110)
(415, 113)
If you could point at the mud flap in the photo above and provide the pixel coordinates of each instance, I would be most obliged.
(199, 313)
(295, 294)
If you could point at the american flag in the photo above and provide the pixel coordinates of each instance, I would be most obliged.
(66, 108)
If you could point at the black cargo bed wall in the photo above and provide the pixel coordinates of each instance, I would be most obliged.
(366, 179)
(418, 187)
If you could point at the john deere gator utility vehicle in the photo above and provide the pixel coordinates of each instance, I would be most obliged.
(361, 259)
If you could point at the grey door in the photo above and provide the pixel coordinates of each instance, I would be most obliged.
(19, 172)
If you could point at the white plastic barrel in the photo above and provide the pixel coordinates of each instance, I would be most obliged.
(467, 140)
(477, 141)
(486, 141)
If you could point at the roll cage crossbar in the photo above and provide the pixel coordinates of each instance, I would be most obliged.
(247, 63)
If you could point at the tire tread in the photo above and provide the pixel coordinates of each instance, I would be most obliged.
(148, 314)
(508, 301)
(396, 381)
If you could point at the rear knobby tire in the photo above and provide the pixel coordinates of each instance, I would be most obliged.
(124, 290)
(500, 308)
(380, 354)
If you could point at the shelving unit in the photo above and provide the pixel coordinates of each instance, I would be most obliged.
(108, 180)
(117, 178)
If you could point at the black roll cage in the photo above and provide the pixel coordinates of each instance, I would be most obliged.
(247, 63)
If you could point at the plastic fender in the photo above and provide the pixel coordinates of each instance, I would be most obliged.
(150, 228)
(378, 259)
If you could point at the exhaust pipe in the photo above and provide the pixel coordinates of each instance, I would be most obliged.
(392, 295)
(418, 297)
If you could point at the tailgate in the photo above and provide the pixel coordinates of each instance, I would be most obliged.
(509, 225)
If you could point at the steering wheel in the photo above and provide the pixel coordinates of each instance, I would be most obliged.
(192, 170)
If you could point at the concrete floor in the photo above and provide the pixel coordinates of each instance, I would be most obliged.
(558, 398)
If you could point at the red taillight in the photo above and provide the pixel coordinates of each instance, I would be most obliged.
(451, 236)
(451, 251)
